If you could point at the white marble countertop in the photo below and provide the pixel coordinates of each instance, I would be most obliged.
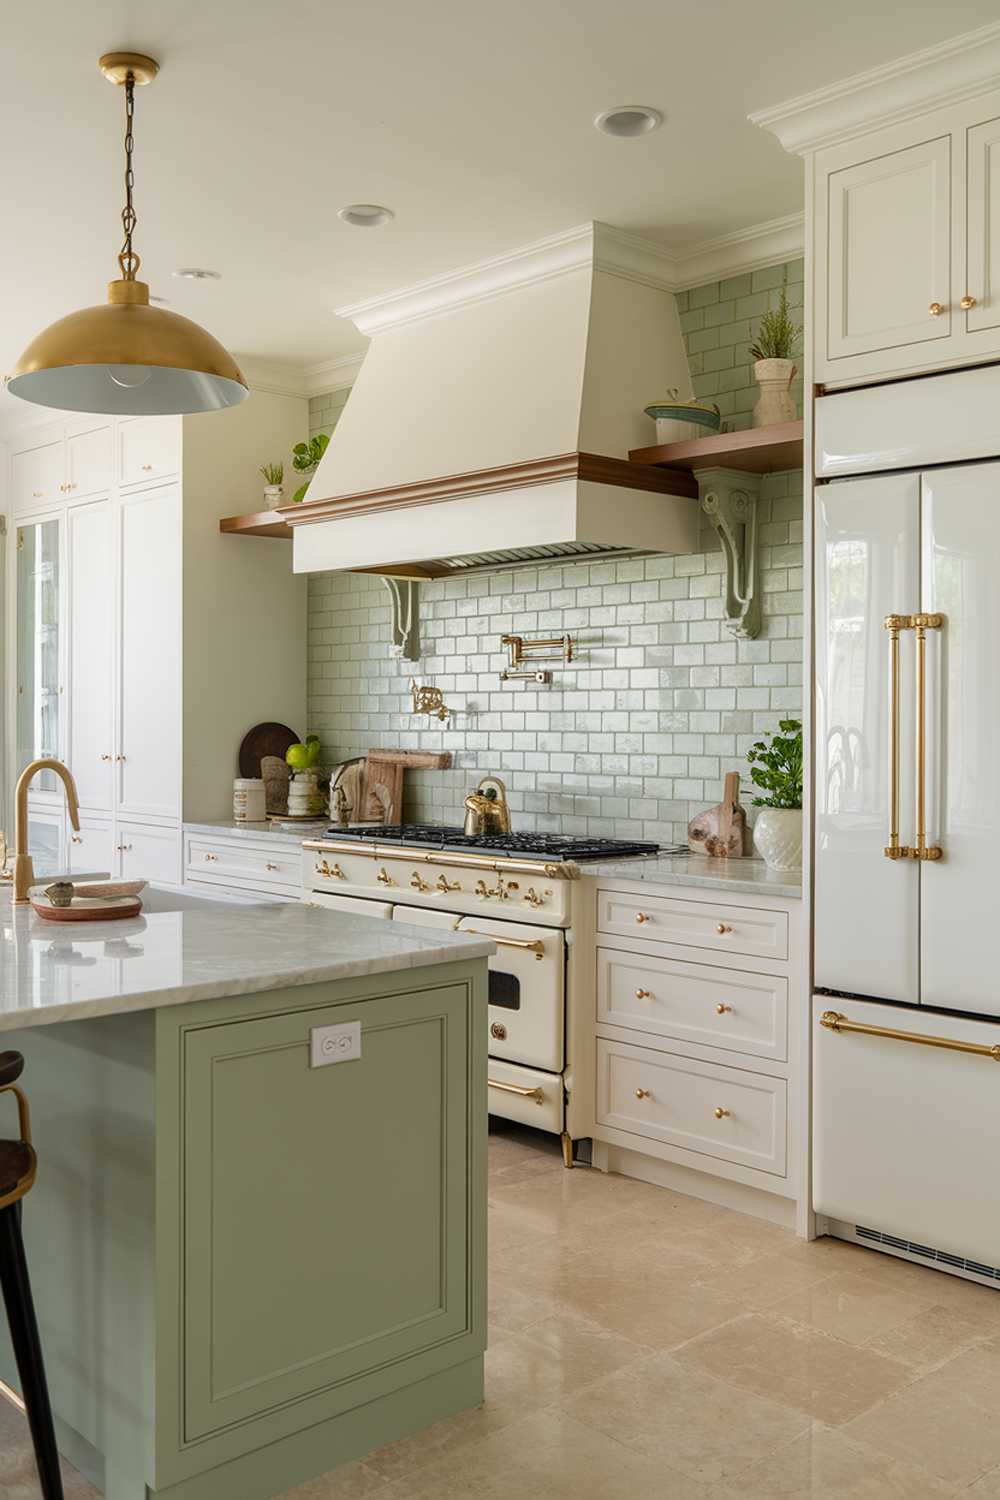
(267, 832)
(744, 875)
(51, 972)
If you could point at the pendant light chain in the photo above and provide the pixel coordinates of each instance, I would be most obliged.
(128, 259)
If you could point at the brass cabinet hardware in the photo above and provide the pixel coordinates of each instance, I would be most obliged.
(533, 945)
(384, 878)
(147, 468)
(106, 757)
(119, 757)
(722, 1008)
(36, 495)
(834, 1021)
(893, 624)
(418, 882)
(919, 624)
(498, 1031)
(208, 856)
(269, 866)
(936, 309)
(75, 838)
(641, 916)
(331, 872)
(720, 1113)
(515, 1088)
(643, 1094)
(967, 302)
(722, 929)
(127, 849)
(536, 898)
(642, 995)
(501, 890)
(444, 885)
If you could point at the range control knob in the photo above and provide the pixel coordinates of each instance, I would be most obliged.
(498, 1032)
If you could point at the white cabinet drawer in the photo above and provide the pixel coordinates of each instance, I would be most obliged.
(700, 1107)
(695, 924)
(149, 853)
(235, 862)
(149, 449)
(525, 1094)
(668, 997)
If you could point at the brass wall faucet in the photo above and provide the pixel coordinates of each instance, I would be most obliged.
(24, 870)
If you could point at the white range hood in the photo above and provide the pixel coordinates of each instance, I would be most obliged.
(493, 415)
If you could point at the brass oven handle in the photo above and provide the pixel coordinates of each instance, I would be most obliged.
(834, 1021)
(515, 1088)
(535, 945)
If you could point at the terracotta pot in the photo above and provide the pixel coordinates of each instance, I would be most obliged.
(777, 837)
(774, 377)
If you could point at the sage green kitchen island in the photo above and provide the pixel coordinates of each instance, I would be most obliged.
(250, 1263)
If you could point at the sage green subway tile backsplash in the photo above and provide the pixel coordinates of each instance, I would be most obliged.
(635, 735)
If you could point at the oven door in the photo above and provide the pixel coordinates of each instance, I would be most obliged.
(527, 984)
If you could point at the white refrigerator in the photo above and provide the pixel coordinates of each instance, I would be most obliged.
(906, 1014)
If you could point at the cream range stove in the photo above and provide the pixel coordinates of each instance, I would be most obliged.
(525, 892)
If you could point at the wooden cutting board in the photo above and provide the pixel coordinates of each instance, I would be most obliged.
(721, 830)
(385, 771)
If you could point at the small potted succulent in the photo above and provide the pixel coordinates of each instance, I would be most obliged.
(774, 351)
(272, 474)
(776, 769)
(305, 457)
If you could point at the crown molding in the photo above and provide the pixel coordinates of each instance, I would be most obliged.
(768, 244)
(333, 374)
(946, 73)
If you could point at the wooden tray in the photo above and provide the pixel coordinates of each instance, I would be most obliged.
(87, 909)
(264, 739)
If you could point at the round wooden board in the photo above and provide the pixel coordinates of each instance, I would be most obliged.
(264, 739)
(84, 909)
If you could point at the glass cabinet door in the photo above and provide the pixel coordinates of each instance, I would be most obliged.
(39, 700)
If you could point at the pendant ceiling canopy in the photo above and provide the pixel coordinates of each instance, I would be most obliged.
(126, 357)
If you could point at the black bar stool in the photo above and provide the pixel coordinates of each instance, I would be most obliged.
(17, 1174)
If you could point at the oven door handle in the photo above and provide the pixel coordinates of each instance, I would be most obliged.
(530, 945)
(515, 1088)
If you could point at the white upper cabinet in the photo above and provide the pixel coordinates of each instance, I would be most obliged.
(89, 468)
(36, 476)
(889, 248)
(149, 449)
(907, 251)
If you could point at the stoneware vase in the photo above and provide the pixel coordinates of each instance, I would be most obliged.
(775, 404)
(777, 837)
(272, 495)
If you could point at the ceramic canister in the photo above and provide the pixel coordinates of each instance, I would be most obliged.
(249, 805)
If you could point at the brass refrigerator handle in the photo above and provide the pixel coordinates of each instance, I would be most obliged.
(920, 624)
(834, 1021)
(515, 1088)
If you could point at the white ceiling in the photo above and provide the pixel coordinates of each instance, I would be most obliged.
(470, 118)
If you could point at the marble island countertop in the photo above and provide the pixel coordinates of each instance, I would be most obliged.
(750, 876)
(60, 972)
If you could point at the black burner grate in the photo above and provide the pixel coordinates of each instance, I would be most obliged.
(551, 846)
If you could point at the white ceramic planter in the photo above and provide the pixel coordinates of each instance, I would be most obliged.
(777, 837)
(775, 404)
(272, 495)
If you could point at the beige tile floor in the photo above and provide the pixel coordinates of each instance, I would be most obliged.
(646, 1346)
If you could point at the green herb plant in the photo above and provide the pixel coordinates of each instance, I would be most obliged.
(777, 337)
(305, 457)
(777, 767)
(273, 473)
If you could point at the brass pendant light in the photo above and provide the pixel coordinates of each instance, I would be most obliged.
(126, 357)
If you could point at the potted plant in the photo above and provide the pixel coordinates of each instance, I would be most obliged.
(273, 474)
(774, 350)
(305, 457)
(777, 771)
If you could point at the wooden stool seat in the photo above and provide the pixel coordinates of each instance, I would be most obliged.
(17, 1170)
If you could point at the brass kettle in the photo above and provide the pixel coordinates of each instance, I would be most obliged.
(486, 809)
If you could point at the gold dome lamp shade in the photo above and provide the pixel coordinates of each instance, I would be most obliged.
(126, 357)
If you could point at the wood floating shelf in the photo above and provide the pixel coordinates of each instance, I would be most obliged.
(259, 523)
(761, 450)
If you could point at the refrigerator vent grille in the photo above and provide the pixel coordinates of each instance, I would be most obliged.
(927, 1252)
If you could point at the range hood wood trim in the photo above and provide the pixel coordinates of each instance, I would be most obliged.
(596, 468)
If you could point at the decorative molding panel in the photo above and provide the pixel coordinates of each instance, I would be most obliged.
(946, 73)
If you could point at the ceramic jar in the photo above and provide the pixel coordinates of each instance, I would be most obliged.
(777, 837)
(272, 496)
(249, 803)
(775, 404)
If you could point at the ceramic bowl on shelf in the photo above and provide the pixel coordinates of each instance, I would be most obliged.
(679, 421)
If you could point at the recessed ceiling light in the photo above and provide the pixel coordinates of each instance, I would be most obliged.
(365, 215)
(196, 273)
(629, 119)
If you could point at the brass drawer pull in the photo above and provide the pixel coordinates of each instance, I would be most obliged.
(967, 302)
(211, 856)
(722, 929)
(75, 838)
(936, 309)
(834, 1021)
(720, 1113)
(722, 1008)
(643, 1094)
(643, 995)
(641, 916)
(515, 1088)
(269, 866)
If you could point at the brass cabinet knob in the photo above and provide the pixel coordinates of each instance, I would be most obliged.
(207, 856)
(722, 1008)
(119, 757)
(722, 929)
(967, 302)
(268, 865)
(444, 885)
(643, 1094)
(384, 878)
(641, 916)
(642, 995)
(720, 1113)
(418, 882)
(936, 309)
(146, 468)
(106, 757)
(75, 838)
